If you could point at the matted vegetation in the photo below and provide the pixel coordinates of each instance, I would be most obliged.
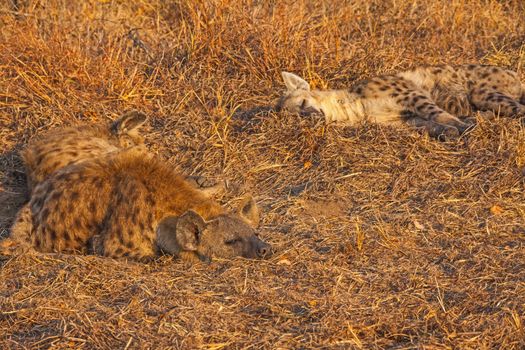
(384, 238)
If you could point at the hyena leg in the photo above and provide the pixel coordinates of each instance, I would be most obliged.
(497, 102)
(424, 107)
(19, 239)
(433, 129)
(456, 104)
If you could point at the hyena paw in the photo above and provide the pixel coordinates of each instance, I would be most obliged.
(206, 185)
(200, 181)
(469, 122)
(444, 132)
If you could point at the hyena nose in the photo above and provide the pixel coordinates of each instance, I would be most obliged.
(264, 250)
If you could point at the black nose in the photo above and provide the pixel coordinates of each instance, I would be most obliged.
(264, 250)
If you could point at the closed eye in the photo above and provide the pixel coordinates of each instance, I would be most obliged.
(232, 241)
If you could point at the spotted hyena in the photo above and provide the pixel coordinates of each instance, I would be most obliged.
(131, 204)
(433, 98)
(64, 146)
(61, 147)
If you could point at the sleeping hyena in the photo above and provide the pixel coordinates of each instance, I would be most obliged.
(131, 204)
(61, 147)
(431, 98)
(64, 146)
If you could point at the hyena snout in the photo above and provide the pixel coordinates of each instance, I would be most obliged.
(259, 249)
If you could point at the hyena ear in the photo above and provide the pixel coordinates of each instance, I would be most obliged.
(249, 211)
(177, 233)
(128, 122)
(294, 82)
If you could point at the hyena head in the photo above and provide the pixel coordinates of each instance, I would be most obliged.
(126, 129)
(224, 236)
(299, 98)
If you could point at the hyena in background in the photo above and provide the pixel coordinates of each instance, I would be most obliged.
(130, 204)
(62, 147)
(65, 146)
(433, 98)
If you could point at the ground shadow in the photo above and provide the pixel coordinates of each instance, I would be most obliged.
(13, 188)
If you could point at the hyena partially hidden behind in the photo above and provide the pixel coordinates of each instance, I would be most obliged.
(130, 204)
(435, 98)
(62, 147)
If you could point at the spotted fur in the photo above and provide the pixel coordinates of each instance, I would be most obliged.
(131, 204)
(433, 98)
(62, 147)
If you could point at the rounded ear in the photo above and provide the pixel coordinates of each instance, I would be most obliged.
(189, 229)
(249, 211)
(294, 82)
(178, 233)
(128, 122)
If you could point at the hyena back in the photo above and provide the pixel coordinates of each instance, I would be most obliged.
(434, 98)
(62, 147)
(128, 204)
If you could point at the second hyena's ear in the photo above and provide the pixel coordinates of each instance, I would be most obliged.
(294, 82)
(178, 233)
(128, 122)
(249, 211)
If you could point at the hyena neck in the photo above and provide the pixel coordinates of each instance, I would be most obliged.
(341, 105)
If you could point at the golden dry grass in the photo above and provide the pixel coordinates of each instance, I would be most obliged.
(385, 238)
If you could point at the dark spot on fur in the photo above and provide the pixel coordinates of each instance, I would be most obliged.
(384, 88)
(118, 251)
(44, 214)
(77, 223)
(149, 221)
(55, 196)
(57, 164)
(150, 201)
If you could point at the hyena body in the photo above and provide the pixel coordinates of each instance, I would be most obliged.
(62, 147)
(130, 204)
(433, 98)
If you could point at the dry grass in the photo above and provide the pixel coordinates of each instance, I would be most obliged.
(386, 239)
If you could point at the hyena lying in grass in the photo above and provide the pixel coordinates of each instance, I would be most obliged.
(130, 204)
(432, 98)
(62, 147)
